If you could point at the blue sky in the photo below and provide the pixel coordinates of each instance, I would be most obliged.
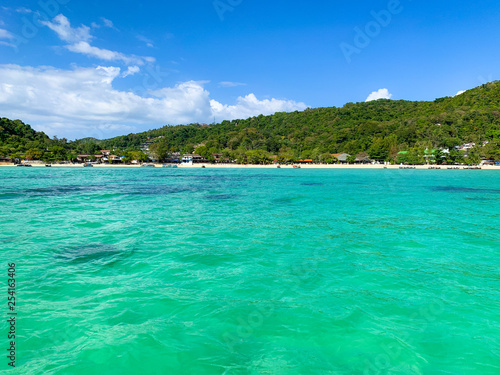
(77, 68)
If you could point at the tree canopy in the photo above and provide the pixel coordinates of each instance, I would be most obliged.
(380, 128)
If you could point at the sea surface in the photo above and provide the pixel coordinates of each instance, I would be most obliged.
(251, 271)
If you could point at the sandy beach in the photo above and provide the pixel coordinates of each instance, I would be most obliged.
(251, 166)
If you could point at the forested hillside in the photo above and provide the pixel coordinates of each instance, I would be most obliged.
(18, 140)
(380, 128)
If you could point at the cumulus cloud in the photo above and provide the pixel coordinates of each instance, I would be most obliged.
(82, 102)
(380, 94)
(249, 106)
(79, 38)
(460, 92)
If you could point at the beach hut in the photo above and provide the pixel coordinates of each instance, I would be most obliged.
(363, 158)
(342, 157)
(83, 158)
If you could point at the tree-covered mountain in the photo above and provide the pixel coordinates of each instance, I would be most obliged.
(16, 138)
(381, 128)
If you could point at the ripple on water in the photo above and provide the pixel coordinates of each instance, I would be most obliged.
(134, 271)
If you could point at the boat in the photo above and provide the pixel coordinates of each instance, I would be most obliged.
(88, 165)
(169, 166)
(24, 165)
(296, 166)
(48, 165)
(149, 165)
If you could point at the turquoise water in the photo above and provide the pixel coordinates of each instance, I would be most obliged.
(175, 271)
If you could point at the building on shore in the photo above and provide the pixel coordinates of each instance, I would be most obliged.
(342, 157)
(192, 159)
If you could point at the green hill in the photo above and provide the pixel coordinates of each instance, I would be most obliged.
(381, 128)
(16, 137)
(19, 140)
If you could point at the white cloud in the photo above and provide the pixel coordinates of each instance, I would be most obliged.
(83, 102)
(131, 71)
(249, 106)
(231, 84)
(460, 92)
(380, 94)
(62, 27)
(7, 44)
(24, 10)
(105, 54)
(148, 42)
(105, 23)
(79, 38)
(4, 34)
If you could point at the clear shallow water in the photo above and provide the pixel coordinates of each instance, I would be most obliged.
(161, 271)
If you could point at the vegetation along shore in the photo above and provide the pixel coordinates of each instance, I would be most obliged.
(461, 130)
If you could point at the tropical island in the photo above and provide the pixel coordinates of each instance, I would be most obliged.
(464, 129)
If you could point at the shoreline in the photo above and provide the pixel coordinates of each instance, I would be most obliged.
(256, 166)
